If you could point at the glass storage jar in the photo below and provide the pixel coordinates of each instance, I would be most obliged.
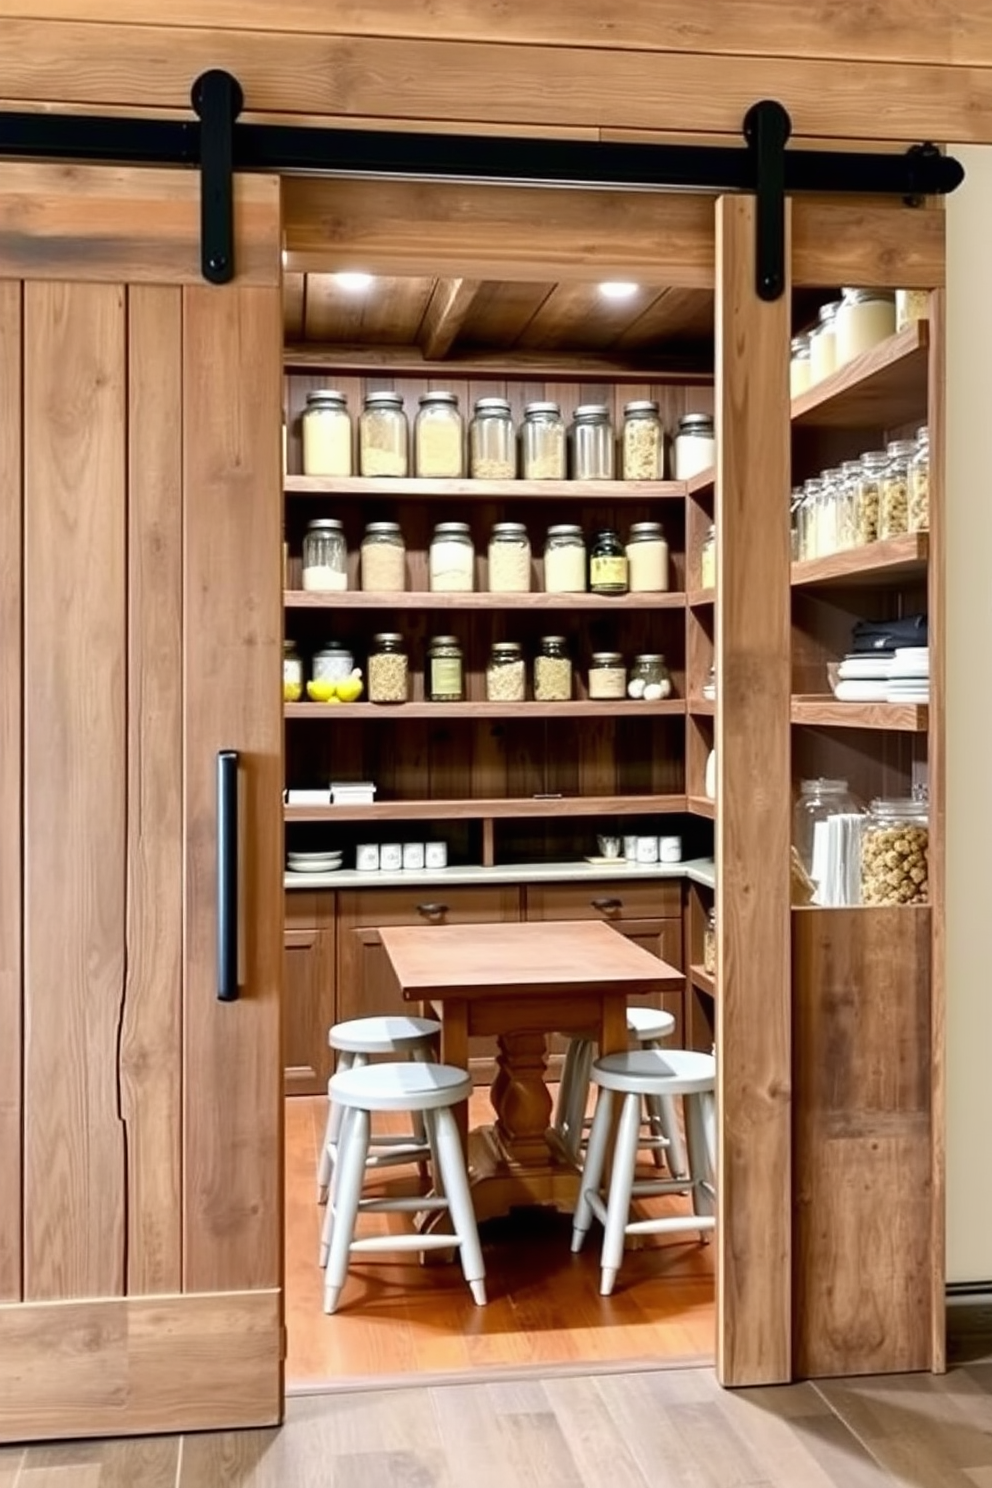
(823, 344)
(911, 304)
(709, 944)
(552, 671)
(799, 368)
(327, 438)
(650, 678)
(325, 556)
(332, 663)
(707, 559)
(818, 800)
(919, 483)
(709, 686)
(865, 317)
(438, 437)
(492, 449)
(509, 559)
(383, 562)
(812, 489)
(445, 670)
(593, 451)
(506, 681)
(829, 502)
(542, 442)
(695, 445)
(795, 523)
(388, 668)
(643, 441)
(607, 675)
(647, 558)
(893, 510)
(383, 436)
(607, 563)
(873, 464)
(451, 561)
(565, 560)
(895, 853)
(292, 673)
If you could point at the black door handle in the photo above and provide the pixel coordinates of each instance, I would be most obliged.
(227, 875)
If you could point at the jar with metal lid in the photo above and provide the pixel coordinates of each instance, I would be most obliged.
(506, 680)
(827, 504)
(647, 558)
(650, 678)
(492, 445)
(895, 853)
(542, 442)
(846, 505)
(643, 441)
(383, 436)
(795, 523)
(565, 560)
(509, 559)
(812, 491)
(607, 676)
(893, 511)
(383, 558)
(327, 438)
(332, 663)
(607, 563)
(873, 466)
(695, 445)
(438, 437)
(593, 450)
(292, 673)
(919, 483)
(445, 670)
(799, 368)
(325, 556)
(707, 559)
(911, 304)
(823, 344)
(819, 800)
(552, 671)
(451, 561)
(389, 668)
(866, 317)
(709, 944)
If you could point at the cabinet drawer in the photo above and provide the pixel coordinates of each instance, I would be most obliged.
(436, 905)
(641, 899)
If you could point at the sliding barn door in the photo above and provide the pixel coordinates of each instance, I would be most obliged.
(140, 624)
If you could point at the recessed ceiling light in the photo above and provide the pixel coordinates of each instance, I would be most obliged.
(353, 282)
(616, 290)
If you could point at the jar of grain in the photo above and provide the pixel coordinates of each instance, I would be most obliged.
(383, 436)
(647, 558)
(895, 853)
(919, 483)
(388, 668)
(865, 318)
(542, 442)
(650, 679)
(445, 670)
(593, 449)
(332, 663)
(873, 466)
(438, 437)
(292, 673)
(709, 944)
(707, 559)
(505, 675)
(383, 558)
(491, 444)
(565, 560)
(451, 561)
(911, 304)
(552, 671)
(325, 556)
(823, 344)
(799, 368)
(643, 441)
(509, 559)
(607, 676)
(327, 434)
(695, 445)
(893, 511)
(847, 506)
(608, 568)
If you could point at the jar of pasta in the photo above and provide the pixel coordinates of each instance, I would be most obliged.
(799, 370)
(895, 853)
(388, 668)
(873, 466)
(491, 442)
(438, 438)
(509, 559)
(607, 676)
(893, 512)
(643, 441)
(506, 680)
(451, 561)
(383, 561)
(552, 671)
(565, 560)
(325, 556)
(542, 442)
(383, 436)
(326, 434)
(647, 558)
(593, 452)
(865, 318)
(919, 483)
(445, 682)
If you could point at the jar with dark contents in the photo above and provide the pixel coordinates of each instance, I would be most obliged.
(445, 670)
(607, 563)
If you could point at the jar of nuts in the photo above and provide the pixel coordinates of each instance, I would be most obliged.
(388, 668)
(919, 483)
(893, 511)
(873, 466)
(552, 671)
(505, 674)
(895, 853)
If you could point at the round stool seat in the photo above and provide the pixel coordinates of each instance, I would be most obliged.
(400, 1087)
(656, 1072)
(387, 1035)
(649, 1023)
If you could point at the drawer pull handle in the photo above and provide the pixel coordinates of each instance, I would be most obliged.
(432, 911)
(607, 904)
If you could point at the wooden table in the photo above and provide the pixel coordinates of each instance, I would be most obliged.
(520, 982)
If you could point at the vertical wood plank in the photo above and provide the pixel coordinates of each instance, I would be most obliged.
(11, 845)
(74, 800)
(753, 811)
(233, 645)
(151, 1034)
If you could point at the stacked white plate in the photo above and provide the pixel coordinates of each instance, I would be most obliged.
(314, 862)
(909, 676)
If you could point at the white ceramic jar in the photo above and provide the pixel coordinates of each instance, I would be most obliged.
(866, 317)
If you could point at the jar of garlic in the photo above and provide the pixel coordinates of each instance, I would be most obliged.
(383, 436)
(643, 441)
(895, 853)
(438, 438)
(919, 483)
(326, 434)
(509, 559)
(491, 443)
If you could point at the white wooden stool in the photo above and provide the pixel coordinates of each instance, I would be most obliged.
(649, 1026)
(430, 1090)
(640, 1073)
(355, 1042)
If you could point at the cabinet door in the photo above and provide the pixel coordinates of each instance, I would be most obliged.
(308, 1001)
(662, 938)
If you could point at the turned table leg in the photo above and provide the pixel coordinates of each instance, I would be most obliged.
(521, 1097)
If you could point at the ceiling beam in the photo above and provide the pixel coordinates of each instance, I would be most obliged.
(445, 315)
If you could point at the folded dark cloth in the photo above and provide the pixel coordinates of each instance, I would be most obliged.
(870, 636)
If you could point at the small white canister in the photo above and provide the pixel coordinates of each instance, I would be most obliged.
(630, 849)
(436, 855)
(413, 855)
(367, 857)
(647, 849)
(391, 857)
(669, 849)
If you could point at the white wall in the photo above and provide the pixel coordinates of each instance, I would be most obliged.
(969, 719)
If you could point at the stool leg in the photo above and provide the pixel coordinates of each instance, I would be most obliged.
(560, 1122)
(349, 1171)
(331, 1134)
(592, 1172)
(327, 1224)
(578, 1096)
(421, 1056)
(621, 1183)
(452, 1160)
(700, 1121)
(666, 1114)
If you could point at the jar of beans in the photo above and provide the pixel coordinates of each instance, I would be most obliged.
(505, 674)
(552, 671)
(388, 668)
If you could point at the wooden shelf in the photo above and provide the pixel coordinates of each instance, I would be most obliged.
(374, 712)
(700, 977)
(701, 806)
(892, 561)
(702, 707)
(352, 599)
(826, 712)
(696, 599)
(466, 810)
(885, 387)
(702, 483)
(361, 487)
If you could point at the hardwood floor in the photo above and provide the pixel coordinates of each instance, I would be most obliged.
(399, 1318)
